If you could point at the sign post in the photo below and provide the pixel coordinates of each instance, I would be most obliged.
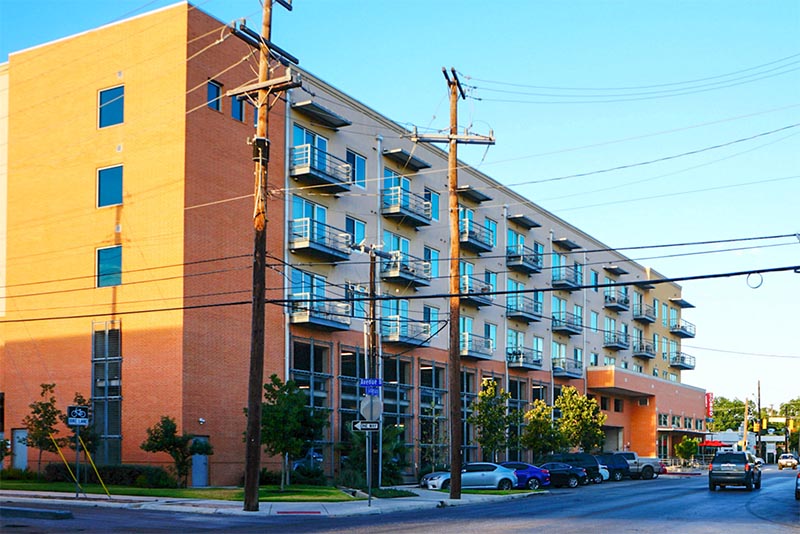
(371, 410)
(77, 416)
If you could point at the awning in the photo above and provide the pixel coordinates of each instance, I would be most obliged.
(712, 443)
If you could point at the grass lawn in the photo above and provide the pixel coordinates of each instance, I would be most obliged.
(292, 493)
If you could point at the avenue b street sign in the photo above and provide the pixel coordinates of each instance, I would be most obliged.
(78, 416)
(366, 426)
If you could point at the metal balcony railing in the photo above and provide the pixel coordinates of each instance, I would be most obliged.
(473, 346)
(566, 277)
(307, 161)
(616, 299)
(682, 328)
(306, 309)
(474, 236)
(523, 259)
(400, 329)
(644, 349)
(399, 202)
(569, 367)
(519, 356)
(306, 233)
(524, 308)
(475, 291)
(616, 340)
(681, 360)
(406, 268)
(567, 323)
(644, 313)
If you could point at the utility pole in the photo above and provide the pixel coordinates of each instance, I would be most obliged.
(746, 417)
(758, 436)
(454, 367)
(261, 91)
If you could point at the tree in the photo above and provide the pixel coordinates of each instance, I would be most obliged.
(393, 459)
(540, 435)
(41, 424)
(287, 423)
(490, 416)
(687, 448)
(434, 439)
(163, 437)
(729, 414)
(581, 421)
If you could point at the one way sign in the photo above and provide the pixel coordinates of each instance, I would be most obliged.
(366, 426)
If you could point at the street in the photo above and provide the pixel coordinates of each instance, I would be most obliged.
(669, 503)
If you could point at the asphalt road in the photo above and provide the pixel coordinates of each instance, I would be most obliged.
(668, 504)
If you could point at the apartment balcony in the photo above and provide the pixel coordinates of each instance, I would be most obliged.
(567, 367)
(474, 237)
(567, 278)
(523, 259)
(405, 207)
(406, 269)
(567, 323)
(318, 240)
(682, 329)
(475, 291)
(681, 360)
(315, 167)
(616, 341)
(323, 315)
(616, 300)
(644, 349)
(523, 358)
(403, 331)
(644, 313)
(521, 308)
(476, 347)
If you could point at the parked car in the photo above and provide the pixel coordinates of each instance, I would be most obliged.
(787, 460)
(734, 469)
(528, 476)
(425, 480)
(579, 459)
(478, 475)
(604, 472)
(562, 474)
(645, 468)
(311, 460)
(797, 487)
(617, 465)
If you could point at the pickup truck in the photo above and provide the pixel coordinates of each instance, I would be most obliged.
(645, 468)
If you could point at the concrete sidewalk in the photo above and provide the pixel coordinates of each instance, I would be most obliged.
(424, 499)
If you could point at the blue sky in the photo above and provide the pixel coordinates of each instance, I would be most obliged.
(580, 87)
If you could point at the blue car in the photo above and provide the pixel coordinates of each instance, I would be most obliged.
(529, 476)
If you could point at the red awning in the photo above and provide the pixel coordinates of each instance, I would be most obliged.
(712, 443)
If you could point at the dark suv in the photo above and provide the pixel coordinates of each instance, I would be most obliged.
(734, 469)
(579, 459)
(616, 463)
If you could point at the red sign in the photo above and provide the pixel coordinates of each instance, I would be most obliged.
(709, 405)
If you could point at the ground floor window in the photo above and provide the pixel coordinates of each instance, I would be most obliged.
(434, 442)
(107, 390)
(310, 369)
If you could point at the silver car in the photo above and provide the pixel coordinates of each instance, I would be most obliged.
(483, 475)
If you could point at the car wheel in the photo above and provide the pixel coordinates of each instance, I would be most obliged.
(749, 484)
(616, 476)
(572, 481)
(504, 485)
(446, 485)
(598, 479)
(712, 486)
(780, 467)
(758, 484)
(533, 483)
(647, 473)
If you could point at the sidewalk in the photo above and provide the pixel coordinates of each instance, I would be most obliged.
(12, 501)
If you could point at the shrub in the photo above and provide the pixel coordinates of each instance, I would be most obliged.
(351, 478)
(14, 473)
(312, 476)
(141, 476)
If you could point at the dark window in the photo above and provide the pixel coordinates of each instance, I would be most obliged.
(109, 266)
(604, 403)
(112, 106)
(237, 108)
(214, 95)
(618, 403)
(109, 186)
(107, 391)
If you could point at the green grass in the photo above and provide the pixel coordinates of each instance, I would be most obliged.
(294, 493)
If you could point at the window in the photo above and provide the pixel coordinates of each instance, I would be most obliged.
(664, 314)
(106, 393)
(655, 308)
(431, 255)
(577, 354)
(655, 372)
(237, 108)
(355, 294)
(604, 403)
(637, 368)
(109, 186)
(538, 346)
(663, 419)
(609, 360)
(618, 404)
(306, 285)
(490, 333)
(430, 315)
(491, 228)
(109, 266)
(433, 197)
(395, 243)
(594, 280)
(357, 230)
(214, 95)
(676, 421)
(358, 169)
(491, 280)
(112, 106)
(594, 320)
(594, 358)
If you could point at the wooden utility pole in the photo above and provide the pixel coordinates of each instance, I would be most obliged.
(454, 366)
(260, 92)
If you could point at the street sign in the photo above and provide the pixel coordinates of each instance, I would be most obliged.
(371, 408)
(372, 386)
(367, 426)
(78, 416)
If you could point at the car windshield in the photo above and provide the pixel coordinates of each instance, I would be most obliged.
(729, 458)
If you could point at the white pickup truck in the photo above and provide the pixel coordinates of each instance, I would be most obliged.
(645, 468)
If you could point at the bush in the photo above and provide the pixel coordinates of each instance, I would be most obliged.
(140, 476)
(312, 476)
(351, 478)
(13, 473)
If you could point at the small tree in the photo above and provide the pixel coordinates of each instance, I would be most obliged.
(287, 423)
(540, 435)
(687, 449)
(434, 436)
(41, 424)
(163, 437)
(393, 459)
(581, 421)
(490, 416)
(5, 450)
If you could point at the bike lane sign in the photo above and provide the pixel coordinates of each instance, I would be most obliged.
(78, 416)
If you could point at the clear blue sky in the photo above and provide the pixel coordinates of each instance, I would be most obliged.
(574, 87)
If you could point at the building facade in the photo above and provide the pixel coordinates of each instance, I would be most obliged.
(129, 249)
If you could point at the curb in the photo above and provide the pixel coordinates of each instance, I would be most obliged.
(34, 513)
